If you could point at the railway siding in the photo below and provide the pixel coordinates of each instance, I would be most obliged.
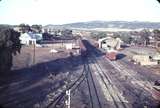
(111, 92)
(125, 87)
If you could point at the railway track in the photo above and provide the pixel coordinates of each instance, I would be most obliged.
(112, 86)
(112, 94)
(135, 79)
(56, 101)
(92, 89)
(93, 92)
(133, 91)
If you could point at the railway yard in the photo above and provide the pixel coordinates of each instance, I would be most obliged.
(40, 79)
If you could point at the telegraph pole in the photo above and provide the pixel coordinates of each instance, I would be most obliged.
(34, 52)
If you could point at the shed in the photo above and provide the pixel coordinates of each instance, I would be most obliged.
(156, 57)
(143, 60)
(110, 42)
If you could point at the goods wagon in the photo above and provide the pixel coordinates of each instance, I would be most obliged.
(83, 49)
(111, 55)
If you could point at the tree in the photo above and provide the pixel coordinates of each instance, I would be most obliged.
(66, 32)
(145, 36)
(36, 28)
(98, 35)
(47, 36)
(156, 34)
(24, 28)
(130, 40)
(102, 34)
(9, 44)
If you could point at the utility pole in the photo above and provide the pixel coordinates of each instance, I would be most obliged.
(34, 52)
(52, 46)
(68, 99)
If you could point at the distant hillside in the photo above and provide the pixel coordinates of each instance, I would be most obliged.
(109, 24)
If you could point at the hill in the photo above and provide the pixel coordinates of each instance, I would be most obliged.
(109, 24)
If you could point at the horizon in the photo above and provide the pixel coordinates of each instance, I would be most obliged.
(45, 12)
(91, 21)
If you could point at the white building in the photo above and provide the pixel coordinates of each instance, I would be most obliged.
(30, 38)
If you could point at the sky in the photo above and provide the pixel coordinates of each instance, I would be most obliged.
(69, 11)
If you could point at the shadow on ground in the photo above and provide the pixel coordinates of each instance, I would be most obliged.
(27, 86)
(120, 56)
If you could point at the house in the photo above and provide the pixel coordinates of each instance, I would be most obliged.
(30, 38)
